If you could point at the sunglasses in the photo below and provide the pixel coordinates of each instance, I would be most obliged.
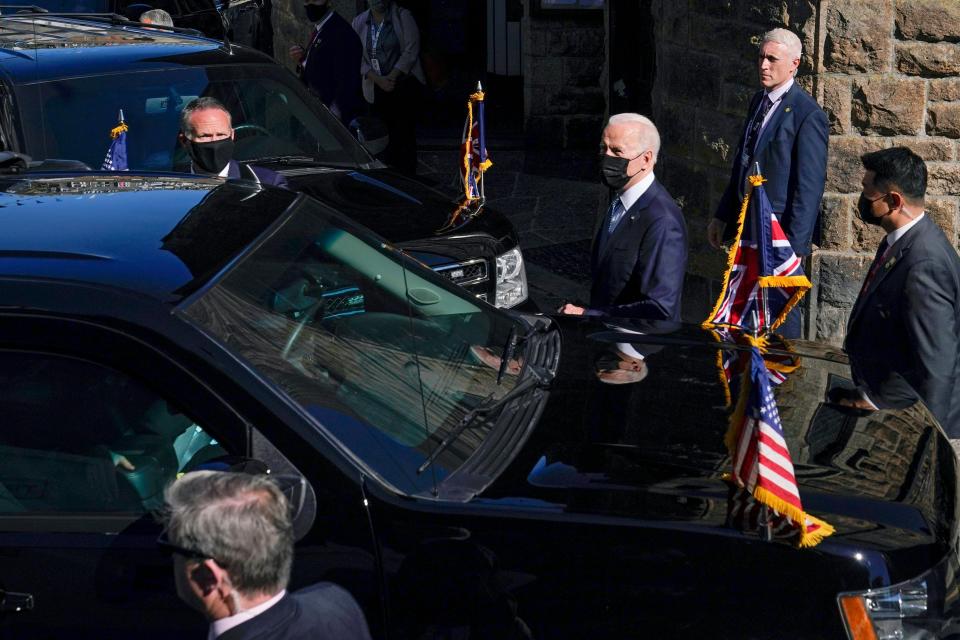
(168, 547)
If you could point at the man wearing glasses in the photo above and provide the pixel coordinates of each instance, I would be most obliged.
(231, 537)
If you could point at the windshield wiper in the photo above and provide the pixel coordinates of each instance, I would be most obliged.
(537, 378)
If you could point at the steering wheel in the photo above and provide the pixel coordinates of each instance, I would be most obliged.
(255, 130)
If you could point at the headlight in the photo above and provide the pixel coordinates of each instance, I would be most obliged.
(511, 279)
(912, 610)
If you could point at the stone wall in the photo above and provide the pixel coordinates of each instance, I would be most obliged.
(887, 71)
(882, 70)
(563, 68)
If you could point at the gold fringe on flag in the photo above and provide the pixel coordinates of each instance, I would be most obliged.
(117, 130)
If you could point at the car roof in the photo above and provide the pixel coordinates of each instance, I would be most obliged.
(69, 47)
(160, 235)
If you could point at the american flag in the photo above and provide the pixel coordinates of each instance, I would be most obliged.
(761, 459)
(473, 148)
(764, 278)
(116, 158)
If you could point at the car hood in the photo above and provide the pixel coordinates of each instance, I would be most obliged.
(408, 212)
(652, 450)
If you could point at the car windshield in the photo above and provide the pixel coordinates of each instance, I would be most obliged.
(65, 6)
(387, 358)
(272, 116)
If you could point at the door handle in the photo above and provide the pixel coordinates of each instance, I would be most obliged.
(12, 601)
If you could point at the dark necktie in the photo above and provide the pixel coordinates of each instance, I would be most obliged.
(875, 267)
(754, 134)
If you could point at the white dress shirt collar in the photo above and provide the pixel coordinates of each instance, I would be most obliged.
(221, 626)
(780, 91)
(631, 195)
(896, 234)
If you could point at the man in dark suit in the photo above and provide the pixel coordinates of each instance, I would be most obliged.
(785, 133)
(330, 65)
(206, 132)
(232, 540)
(640, 249)
(903, 335)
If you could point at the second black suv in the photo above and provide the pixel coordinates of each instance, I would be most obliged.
(63, 81)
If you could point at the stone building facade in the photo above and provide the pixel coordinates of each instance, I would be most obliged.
(883, 70)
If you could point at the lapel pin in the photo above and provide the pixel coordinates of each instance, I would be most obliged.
(889, 263)
(786, 110)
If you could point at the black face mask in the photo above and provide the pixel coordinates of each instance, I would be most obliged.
(864, 213)
(613, 170)
(211, 157)
(315, 12)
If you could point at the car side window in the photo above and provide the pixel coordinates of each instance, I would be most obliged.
(79, 437)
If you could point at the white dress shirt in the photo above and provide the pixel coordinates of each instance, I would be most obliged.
(776, 97)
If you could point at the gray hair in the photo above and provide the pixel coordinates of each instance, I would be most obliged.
(241, 520)
(786, 38)
(157, 16)
(647, 135)
(200, 104)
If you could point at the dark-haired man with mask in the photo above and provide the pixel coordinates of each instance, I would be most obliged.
(206, 132)
(330, 64)
(903, 335)
(640, 249)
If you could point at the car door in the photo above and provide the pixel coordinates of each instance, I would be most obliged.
(96, 423)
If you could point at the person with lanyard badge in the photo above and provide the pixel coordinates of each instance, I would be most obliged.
(392, 76)
(328, 65)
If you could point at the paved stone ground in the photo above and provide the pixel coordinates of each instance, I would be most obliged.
(553, 200)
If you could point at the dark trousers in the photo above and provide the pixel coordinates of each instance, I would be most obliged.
(398, 109)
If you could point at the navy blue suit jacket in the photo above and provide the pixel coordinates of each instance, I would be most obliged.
(638, 271)
(903, 336)
(264, 176)
(792, 153)
(323, 611)
(332, 69)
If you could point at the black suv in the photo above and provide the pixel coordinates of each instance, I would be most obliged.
(63, 81)
(243, 21)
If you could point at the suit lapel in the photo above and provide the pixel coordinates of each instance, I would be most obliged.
(783, 110)
(891, 262)
(629, 218)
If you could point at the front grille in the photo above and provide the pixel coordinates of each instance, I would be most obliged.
(464, 273)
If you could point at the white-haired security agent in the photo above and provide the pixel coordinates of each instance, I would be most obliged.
(786, 133)
(231, 537)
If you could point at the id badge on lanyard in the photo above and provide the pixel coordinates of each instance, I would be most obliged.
(374, 40)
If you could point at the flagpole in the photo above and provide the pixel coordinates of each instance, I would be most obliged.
(763, 292)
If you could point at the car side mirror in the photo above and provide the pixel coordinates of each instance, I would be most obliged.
(371, 132)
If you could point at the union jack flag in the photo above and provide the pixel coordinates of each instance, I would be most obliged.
(778, 356)
(116, 158)
(764, 278)
(473, 148)
(762, 465)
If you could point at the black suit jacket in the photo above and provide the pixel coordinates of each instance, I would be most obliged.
(903, 336)
(332, 67)
(792, 153)
(638, 271)
(321, 612)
